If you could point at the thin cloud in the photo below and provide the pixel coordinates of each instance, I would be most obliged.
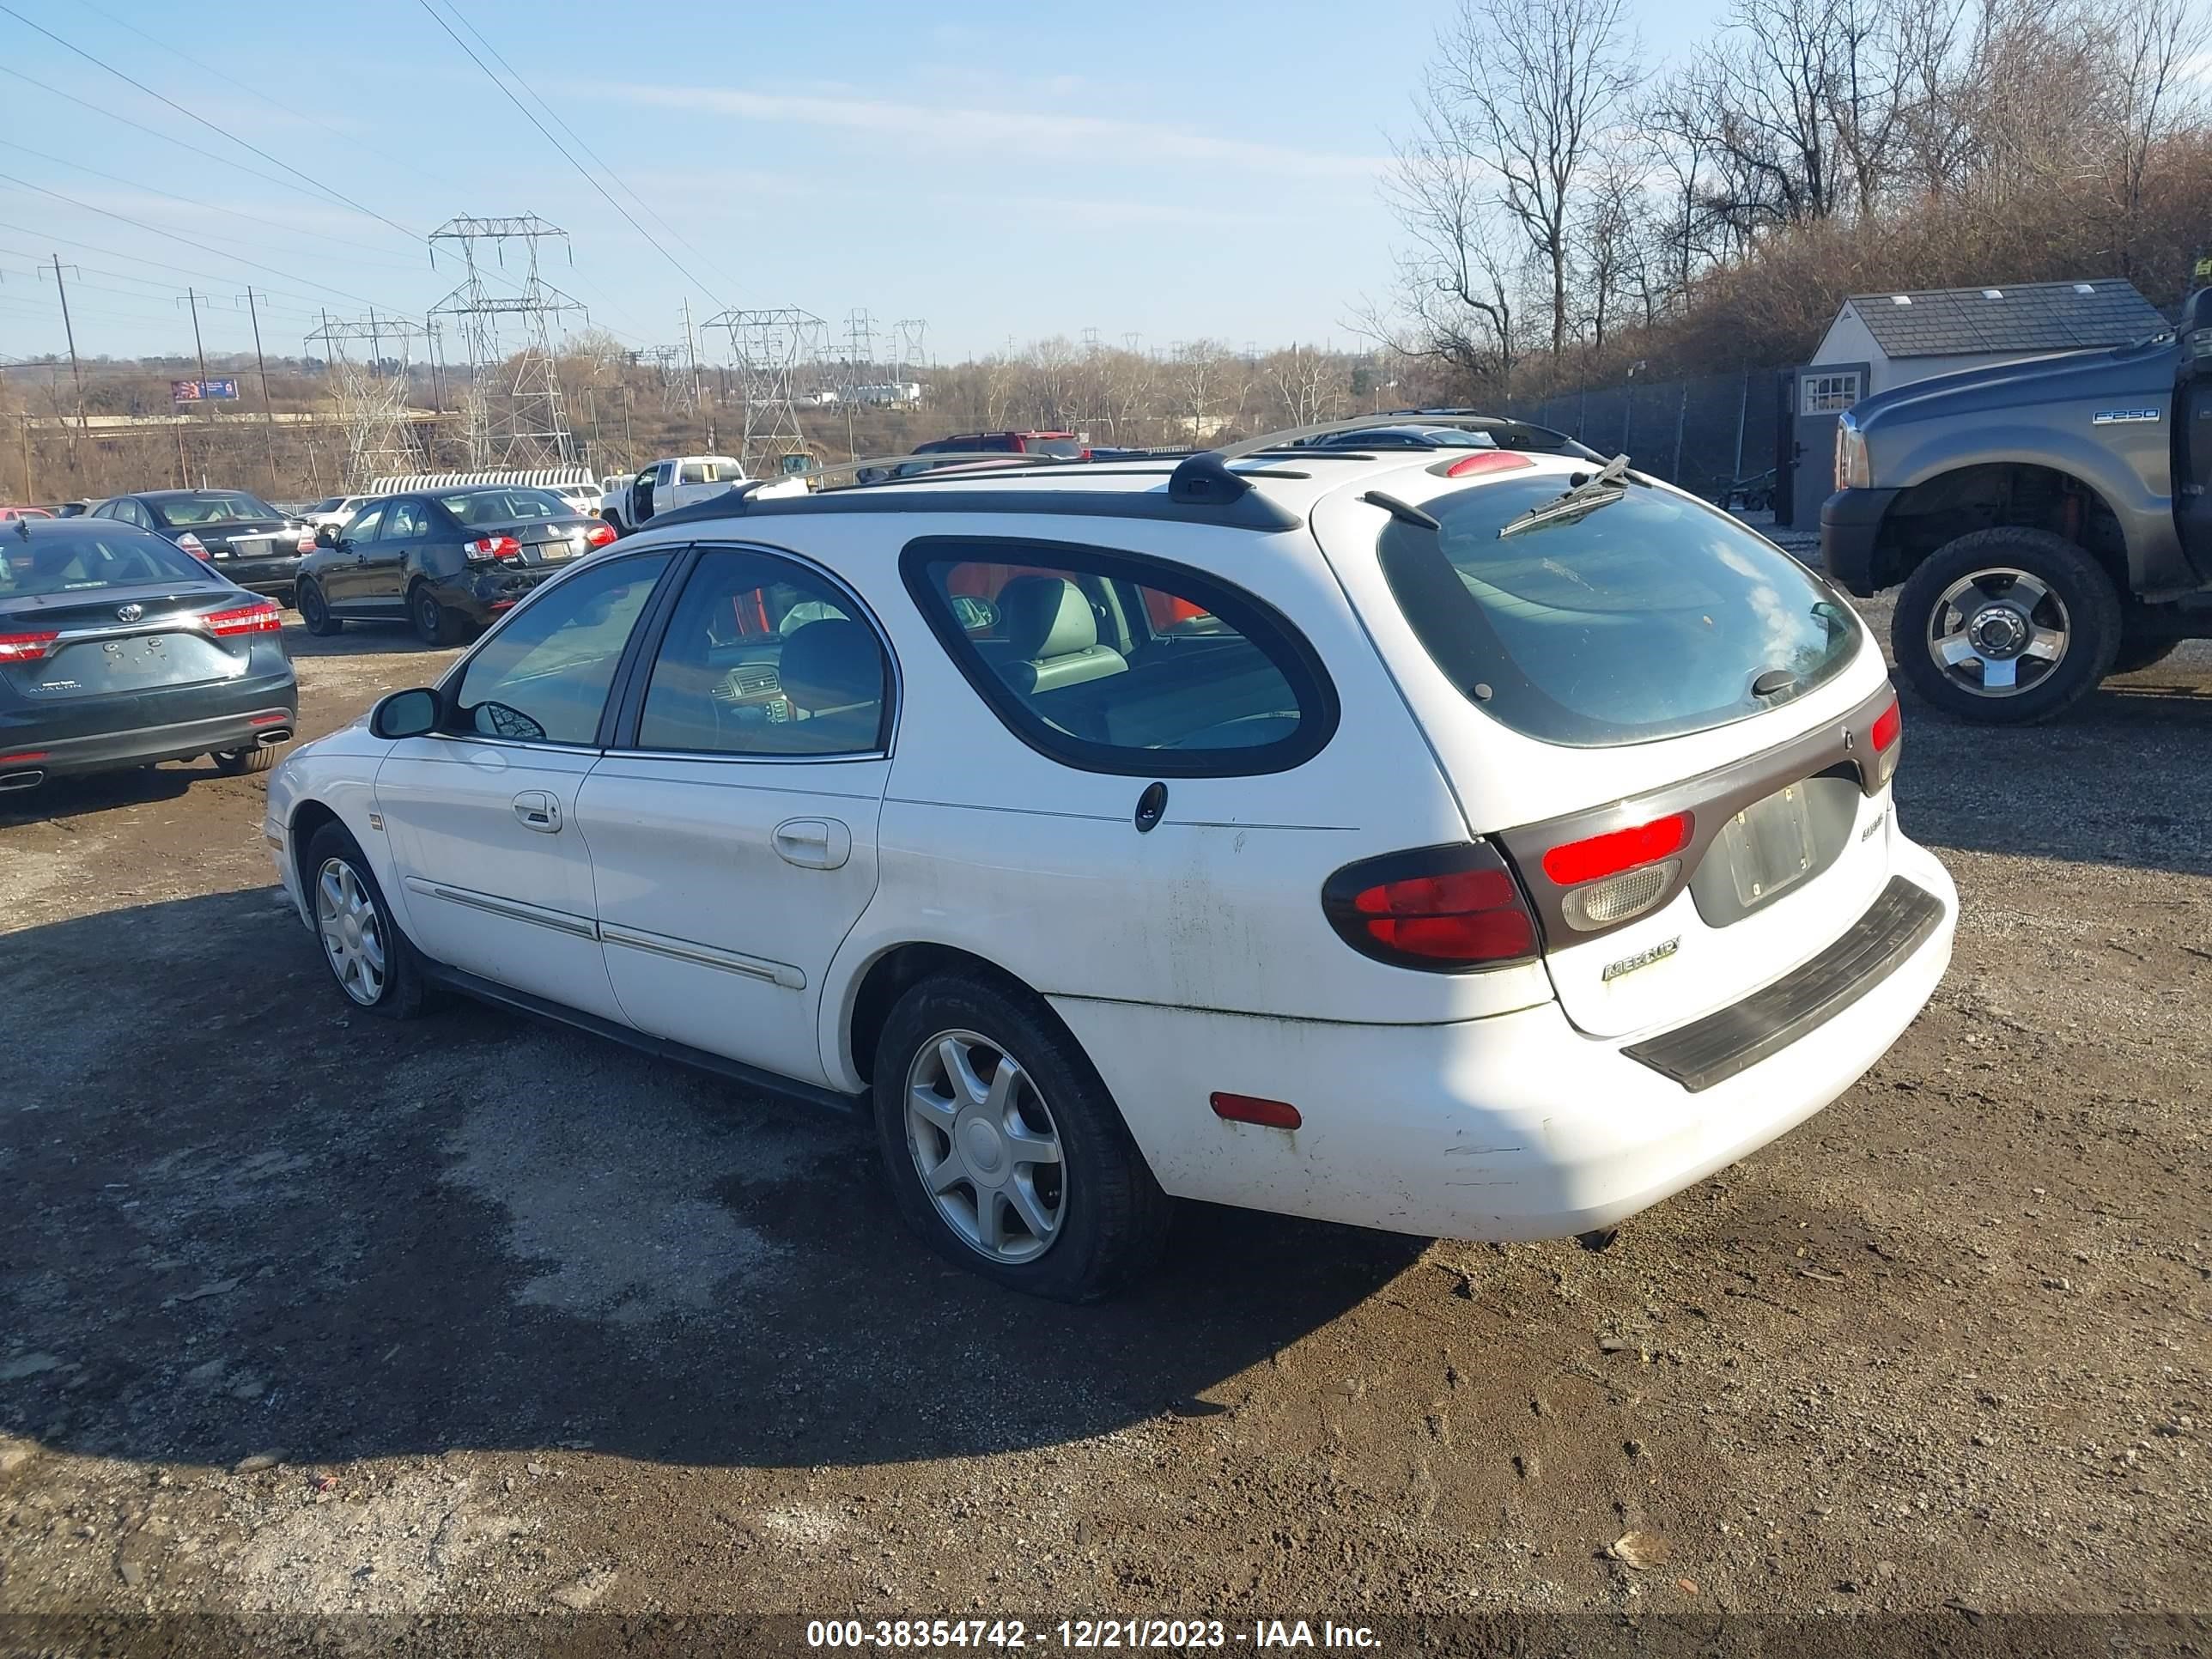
(1015, 134)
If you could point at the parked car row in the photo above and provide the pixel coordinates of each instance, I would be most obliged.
(1473, 839)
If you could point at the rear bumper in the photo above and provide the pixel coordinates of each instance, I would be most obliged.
(277, 577)
(271, 720)
(1851, 521)
(484, 597)
(1518, 1127)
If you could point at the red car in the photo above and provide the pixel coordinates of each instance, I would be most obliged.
(8, 513)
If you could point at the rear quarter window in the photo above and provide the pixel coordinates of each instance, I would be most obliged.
(1121, 663)
(1647, 617)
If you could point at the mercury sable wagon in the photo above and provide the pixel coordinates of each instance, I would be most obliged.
(1480, 843)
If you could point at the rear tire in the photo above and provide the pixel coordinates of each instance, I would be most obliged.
(237, 762)
(1004, 1154)
(2007, 626)
(2135, 655)
(434, 623)
(386, 979)
(315, 611)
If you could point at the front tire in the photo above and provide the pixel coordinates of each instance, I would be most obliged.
(2007, 626)
(362, 946)
(315, 611)
(1003, 1148)
(434, 623)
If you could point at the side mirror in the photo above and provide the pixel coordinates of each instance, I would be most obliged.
(414, 714)
(326, 535)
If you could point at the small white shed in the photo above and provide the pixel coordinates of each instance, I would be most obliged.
(1903, 337)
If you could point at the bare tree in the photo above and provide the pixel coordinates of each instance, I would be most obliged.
(1525, 88)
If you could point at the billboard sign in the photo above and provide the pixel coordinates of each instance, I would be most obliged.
(193, 391)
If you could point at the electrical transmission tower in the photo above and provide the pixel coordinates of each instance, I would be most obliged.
(513, 402)
(769, 347)
(371, 397)
(859, 344)
(913, 352)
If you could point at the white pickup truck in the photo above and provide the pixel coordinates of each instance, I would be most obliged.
(631, 501)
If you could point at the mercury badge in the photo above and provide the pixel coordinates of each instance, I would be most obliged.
(1643, 958)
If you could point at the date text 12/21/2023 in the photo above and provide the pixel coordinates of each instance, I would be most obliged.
(1083, 1635)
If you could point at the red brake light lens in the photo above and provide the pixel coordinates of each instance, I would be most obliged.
(1608, 854)
(493, 547)
(1253, 1108)
(262, 618)
(599, 535)
(1485, 460)
(1887, 726)
(26, 647)
(1446, 907)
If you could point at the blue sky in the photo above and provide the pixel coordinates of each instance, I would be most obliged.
(1165, 170)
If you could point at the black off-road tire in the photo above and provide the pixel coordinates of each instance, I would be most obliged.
(2137, 655)
(403, 984)
(315, 611)
(1115, 1218)
(2093, 608)
(237, 762)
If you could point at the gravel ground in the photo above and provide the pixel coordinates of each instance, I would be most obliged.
(304, 1315)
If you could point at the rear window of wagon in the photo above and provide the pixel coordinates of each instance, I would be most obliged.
(1648, 617)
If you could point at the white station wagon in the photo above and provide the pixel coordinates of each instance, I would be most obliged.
(1485, 844)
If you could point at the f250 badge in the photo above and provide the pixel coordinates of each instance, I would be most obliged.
(1643, 958)
(2124, 417)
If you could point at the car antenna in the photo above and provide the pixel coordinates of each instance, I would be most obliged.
(1600, 489)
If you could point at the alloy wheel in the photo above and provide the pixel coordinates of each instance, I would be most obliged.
(352, 931)
(1998, 632)
(986, 1146)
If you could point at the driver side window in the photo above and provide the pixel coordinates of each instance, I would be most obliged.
(543, 678)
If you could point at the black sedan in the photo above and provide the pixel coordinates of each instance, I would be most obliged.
(241, 535)
(117, 650)
(448, 561)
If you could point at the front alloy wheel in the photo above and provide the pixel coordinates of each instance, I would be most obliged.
(1998, 633)
(355, 938)
(985, 1144)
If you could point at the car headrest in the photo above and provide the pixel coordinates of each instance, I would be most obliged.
(1047, 617)
(832, 664)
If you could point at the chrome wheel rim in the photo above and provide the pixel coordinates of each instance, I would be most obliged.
(352, 931)
(1998, 633)
(986, 1146)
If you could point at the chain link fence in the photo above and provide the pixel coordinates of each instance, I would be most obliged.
(1714, 436)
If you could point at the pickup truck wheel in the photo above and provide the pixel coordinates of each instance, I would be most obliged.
(2006, 626)
(1003, 1148)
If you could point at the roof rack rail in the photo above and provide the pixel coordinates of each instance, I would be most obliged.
(1236, 508)
(1206, 478)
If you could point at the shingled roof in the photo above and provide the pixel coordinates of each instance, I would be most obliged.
(2028, 316)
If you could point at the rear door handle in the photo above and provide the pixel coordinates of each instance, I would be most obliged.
(812, 843)
(538, 810)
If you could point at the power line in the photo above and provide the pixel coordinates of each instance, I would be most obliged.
(335, 195)
(191, 201)
(156, 230)
(584, 144)
(140, 259)
(632, 218)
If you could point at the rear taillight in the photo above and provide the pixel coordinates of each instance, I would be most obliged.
(307, 542)
(262, 618)
(1888, 727)
(493, 547)
(1442, 909)
(1614, 877)
(26, 647)
(599, 535)
(193, 545)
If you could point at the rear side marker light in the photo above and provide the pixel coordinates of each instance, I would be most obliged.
(1442, 909)
(22, 759)
(26, 647)
(1617, 850)
(268, 719)
(1487, 460)
(1252, 1109)
(263, 619)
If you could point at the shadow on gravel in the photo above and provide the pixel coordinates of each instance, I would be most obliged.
(244, 1218)
(2121, 779)
(377, 639)
(62, 799)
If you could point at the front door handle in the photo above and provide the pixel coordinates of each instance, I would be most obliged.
(812, 843)
(538, 810)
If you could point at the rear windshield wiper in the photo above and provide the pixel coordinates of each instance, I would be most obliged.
(1607, 485)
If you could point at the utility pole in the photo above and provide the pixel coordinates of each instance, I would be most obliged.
(69, 333)
(268, 409)
(192, 299)
(698, 391)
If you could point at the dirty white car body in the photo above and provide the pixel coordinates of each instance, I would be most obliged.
(1229, 927)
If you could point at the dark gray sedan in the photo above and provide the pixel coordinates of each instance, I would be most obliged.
(118, 650)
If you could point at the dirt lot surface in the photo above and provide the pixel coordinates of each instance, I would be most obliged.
(305, 1313)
